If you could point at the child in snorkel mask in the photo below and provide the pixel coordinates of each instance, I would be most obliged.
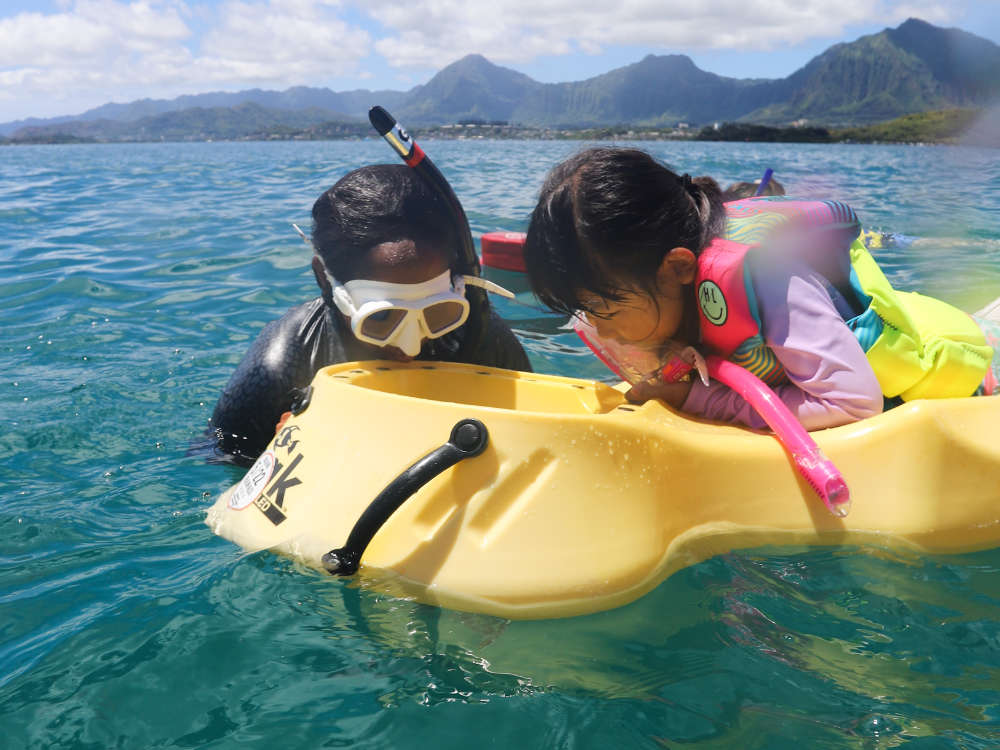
(393, 287)
(655, 262)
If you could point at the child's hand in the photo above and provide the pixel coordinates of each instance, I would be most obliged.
(673, 394)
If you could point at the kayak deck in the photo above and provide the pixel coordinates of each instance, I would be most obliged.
(582, 501)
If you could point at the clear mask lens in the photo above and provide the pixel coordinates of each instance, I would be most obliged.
(442, 315)
(381, 324)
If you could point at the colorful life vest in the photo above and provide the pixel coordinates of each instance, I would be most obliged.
(919, 347)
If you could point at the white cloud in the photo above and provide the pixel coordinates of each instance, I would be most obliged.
(94, 51)
(284, 39)
(429, 33)
(91, 31)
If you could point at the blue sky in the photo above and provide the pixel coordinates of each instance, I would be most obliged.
(62, 57)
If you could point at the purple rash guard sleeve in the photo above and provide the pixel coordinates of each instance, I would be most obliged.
(831, 380)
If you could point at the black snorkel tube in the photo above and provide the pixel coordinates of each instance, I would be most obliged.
(414, 157)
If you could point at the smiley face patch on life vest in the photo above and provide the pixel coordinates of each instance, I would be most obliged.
(712, 303)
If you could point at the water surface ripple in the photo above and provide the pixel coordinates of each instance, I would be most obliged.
(132, 279)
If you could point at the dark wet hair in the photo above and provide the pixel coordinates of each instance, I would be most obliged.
(376, 204)
(739, 190)
(605, 219)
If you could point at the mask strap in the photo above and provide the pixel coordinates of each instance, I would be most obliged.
(488, 285)
(319, 271)
(333, 291)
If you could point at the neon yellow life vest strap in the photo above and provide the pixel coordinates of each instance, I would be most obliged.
(919, 347)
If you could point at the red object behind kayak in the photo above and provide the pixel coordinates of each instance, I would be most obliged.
(503, 250)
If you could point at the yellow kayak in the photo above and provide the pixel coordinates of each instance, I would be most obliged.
(543, 496)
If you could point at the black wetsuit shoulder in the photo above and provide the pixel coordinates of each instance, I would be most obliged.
(284, 356)
(289, 351)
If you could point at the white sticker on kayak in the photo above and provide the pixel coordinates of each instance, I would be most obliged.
(254, 482)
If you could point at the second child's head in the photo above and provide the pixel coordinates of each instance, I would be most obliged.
(740, 190)
(616, 235)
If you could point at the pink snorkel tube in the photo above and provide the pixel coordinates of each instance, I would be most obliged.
(809, 460)
(635, 365)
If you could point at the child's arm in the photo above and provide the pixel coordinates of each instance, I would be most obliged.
(831, 382)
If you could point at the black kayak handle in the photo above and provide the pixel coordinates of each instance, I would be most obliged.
(468, 439)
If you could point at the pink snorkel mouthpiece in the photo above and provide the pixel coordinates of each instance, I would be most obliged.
(839, 497)
(821, 474)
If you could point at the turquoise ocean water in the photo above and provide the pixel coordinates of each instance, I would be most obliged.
(133, 278)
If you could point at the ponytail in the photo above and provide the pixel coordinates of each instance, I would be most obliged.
(707, 197)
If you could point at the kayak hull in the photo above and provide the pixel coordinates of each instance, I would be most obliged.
(581, 501)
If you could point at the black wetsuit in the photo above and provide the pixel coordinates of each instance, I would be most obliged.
(290, 350)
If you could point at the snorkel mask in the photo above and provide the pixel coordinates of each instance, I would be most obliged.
(403, 315)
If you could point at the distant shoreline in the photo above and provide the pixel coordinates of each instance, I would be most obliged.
(944, 127)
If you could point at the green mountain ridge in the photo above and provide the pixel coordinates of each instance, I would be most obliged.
(916, 67)
(196, 123)
(470, 88)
